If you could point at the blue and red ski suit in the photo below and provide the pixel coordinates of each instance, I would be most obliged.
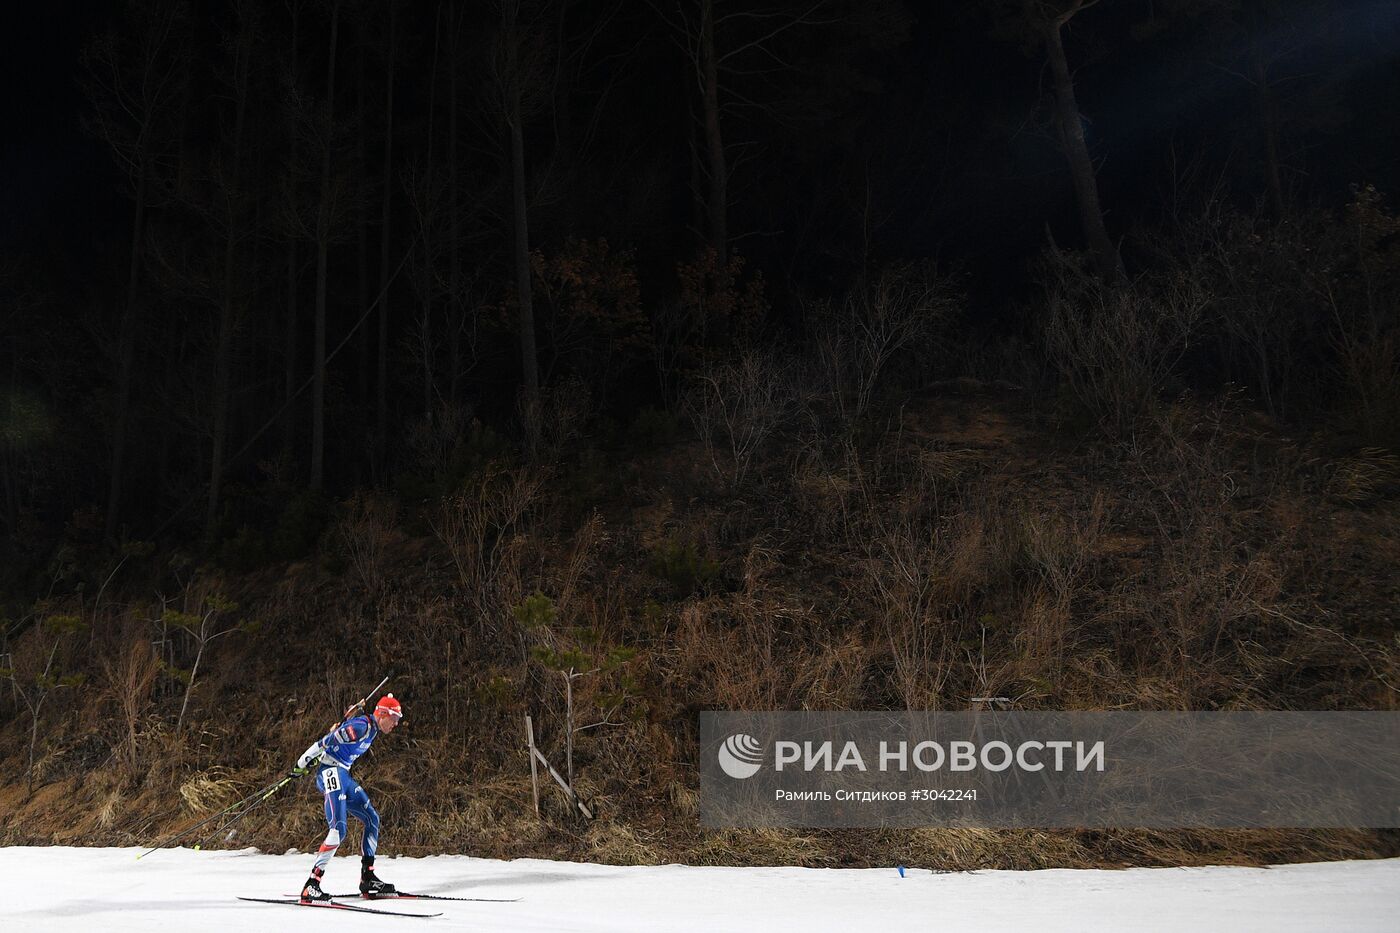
(331, 756)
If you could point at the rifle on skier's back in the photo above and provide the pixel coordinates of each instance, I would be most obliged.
(359, 705)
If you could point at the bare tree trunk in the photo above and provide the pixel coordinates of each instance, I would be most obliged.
(699, 218)
(569, 725)
(362, 227)
(323, 233)
(428, 210)
(42, 688)
(189, 687)
(714, 141)
(126, 359)
(1107, 263)
(381, 407)
(289, 344)
(33, 739)
(562, 112)
(136, 94)
(528, 355)
(289, 370)
(1268, 119)
(11, 486)
(289, 353)
(454, 299)
(10, 469)
(227, 311)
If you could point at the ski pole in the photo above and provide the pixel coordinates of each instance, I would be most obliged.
(266, 796)
(226, 810)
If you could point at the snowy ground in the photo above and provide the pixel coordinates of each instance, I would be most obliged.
(72, 889)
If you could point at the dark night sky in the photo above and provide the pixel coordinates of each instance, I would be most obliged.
(54, 176)
(987, 178)
(875, 143)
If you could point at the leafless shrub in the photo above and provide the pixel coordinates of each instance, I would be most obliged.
(587, 541)
(1205, 600)
(923, 660)
(737, 406)
(1116, 347)
(433, 439)
(731, 666)
(1302, 305)
(1185, 460)
(1368, 360)
(1363, 300)
(834, 674)
(1058, 548)
(203, 619)
(923, 572)
(1212, 581)
(128, 677)
(475, 524)
(555, 417)
(859, 336)
(904, 576)
(823, 494)
(38, 670)
(1260, 274)
(672, 327)
(368, 532)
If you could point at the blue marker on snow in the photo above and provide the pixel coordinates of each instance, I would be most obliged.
(901, 871)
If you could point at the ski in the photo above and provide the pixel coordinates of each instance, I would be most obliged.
(404, 896)
(331, 905)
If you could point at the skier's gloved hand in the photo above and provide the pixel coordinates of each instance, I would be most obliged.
(306, 760)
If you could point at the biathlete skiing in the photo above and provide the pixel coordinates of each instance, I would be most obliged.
(331, 757)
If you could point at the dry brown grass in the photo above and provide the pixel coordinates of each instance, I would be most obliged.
(109, 810)
(1059, 549)
(208, 791)
(758, 847)
(1363, 477)
(955, 558)
(127, 682)
(617, 843)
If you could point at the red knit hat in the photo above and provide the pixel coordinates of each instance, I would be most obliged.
(390, 706)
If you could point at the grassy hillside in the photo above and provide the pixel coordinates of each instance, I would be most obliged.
(973, 544)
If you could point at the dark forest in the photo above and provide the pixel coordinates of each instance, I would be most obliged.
(905, 352)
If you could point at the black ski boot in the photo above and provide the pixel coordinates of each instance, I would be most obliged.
(312, 893)
(370, 886)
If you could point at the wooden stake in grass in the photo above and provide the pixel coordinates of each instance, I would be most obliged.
(587, 656)
(536, 754)
(534, 769)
